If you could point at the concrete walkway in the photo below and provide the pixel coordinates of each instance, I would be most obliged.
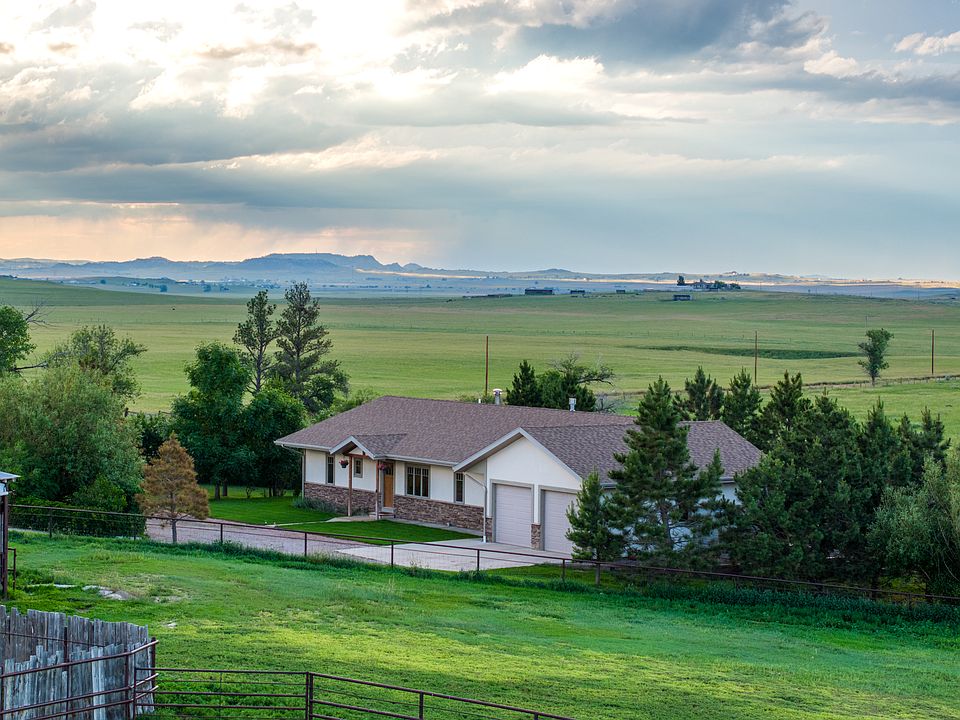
(466, 556)
(432, 556)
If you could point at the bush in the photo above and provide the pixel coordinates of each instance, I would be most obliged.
(305, 503)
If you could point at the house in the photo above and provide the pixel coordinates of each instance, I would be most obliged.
(678, 297)
(538, 291)
(507, 471)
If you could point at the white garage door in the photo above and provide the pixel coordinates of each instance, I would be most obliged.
(555, 523)
(514, 515)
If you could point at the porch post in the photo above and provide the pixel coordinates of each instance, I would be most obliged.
(376, 502)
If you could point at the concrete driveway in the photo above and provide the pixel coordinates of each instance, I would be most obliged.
(462, 557)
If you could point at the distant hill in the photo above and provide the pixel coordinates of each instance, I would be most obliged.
(367, 274)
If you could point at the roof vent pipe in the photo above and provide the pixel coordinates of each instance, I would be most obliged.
(573, 404)
(496, 396)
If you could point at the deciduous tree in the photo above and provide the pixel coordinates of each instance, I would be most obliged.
(874, 350)
(209, 419)
(97, 350)
(65, 431)
(917, 529)
(170, 488)
(15, 342)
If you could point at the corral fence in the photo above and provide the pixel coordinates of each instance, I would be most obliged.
(58, 666)
(279, 695)
(448, 555)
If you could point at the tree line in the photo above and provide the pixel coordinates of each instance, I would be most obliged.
(832, 499)
(67, 432)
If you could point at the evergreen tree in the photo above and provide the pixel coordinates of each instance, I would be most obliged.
(209, 419)
(704, 397)
(874, 350)
(782, 412)
(256, 334)
(301, 362)
(666, 505)
(524, 390)
(930, 438)
(170, 487)
(741, 405)
(775, 529)
(592, 526)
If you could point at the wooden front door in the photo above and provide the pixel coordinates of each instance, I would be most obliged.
(388, 485)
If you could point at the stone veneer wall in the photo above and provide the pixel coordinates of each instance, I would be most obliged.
(468, 517)
(535, 536)
(363, 500)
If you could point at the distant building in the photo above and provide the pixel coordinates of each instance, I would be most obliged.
(538, 291)
(677, 297)
(578, 292)
(621, 291)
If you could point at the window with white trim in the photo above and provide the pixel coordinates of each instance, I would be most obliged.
(330, 470)
(358, 467)
(418, 480)
(458, 483)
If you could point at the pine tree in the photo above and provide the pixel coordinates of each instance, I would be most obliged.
(782, 412)
(524, 390)
(741, 405)
(256, 334)
(704, 397)
(301, 362)
(666, 505)
(170, 487)
(592, 526)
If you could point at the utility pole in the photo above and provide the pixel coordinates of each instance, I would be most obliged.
(486, 367)
(933, 346)
(756, 355)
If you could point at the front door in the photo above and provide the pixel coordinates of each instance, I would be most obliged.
(388, 485)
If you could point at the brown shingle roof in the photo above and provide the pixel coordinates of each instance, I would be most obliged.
(448, 432)
(441, 430)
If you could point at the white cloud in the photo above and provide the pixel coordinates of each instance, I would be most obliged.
(921, 44)
(832, 63)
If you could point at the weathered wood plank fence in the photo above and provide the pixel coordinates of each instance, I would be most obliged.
(55, 666)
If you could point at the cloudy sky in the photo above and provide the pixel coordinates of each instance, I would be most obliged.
(814, 136)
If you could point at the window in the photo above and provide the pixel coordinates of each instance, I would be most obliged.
(458, 487)
(330, 470)
(418, 481)
(358, 467)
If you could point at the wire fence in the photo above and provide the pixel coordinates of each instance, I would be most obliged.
(449, 556)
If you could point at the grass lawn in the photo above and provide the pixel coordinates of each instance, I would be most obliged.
(280, 511)
(588, 655)
(433, 347)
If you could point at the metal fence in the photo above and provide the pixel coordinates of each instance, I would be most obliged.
(441, 555)
(280, 695)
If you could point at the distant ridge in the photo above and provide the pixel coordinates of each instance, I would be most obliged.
(366, 272)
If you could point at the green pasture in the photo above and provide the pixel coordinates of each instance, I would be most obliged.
(434, 347)
(581, 653)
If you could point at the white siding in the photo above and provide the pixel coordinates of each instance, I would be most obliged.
(315, 471)
(526, 463)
